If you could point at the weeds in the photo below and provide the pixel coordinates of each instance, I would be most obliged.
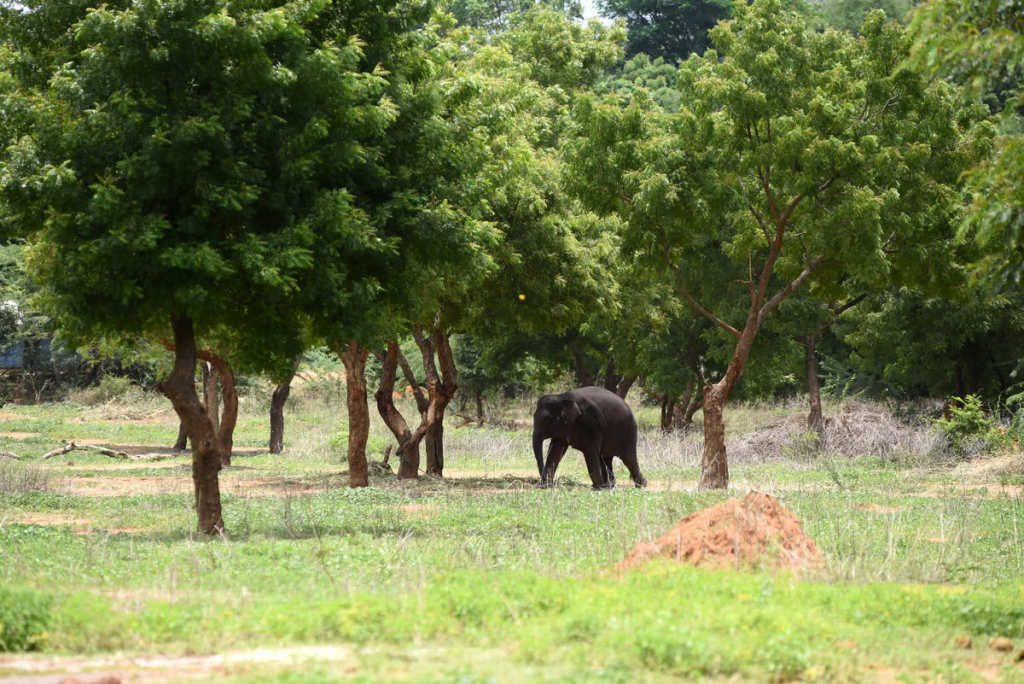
(19, 478)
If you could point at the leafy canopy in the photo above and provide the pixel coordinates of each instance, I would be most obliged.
(184, 159)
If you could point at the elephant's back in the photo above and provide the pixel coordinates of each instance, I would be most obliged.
(612, 408)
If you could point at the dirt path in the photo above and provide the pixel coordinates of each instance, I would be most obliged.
(120, 669)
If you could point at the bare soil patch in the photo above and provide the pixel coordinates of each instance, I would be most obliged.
(875, 508)
(28, 670)
(754, 531)
(19, 435)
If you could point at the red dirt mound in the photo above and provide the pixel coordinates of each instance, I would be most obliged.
(753, 531)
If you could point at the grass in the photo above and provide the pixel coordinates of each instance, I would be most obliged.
(482, 577)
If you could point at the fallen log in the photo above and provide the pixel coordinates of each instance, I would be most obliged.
(10, 454)
(500, 423)
(112, 453)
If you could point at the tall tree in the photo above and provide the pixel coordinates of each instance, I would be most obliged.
(802, 158)
(175, 174)
(670, 29)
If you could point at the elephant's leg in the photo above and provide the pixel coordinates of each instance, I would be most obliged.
(555, 453)
(629, 458)
(595, 466)
(609, 471)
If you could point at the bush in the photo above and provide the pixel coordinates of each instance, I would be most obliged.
(968, 428)
(338, 443)
(109, 387)
(17, 478)
(24, 617)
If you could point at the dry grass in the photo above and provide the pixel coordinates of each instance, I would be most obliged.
(18, 478)
(856, 429)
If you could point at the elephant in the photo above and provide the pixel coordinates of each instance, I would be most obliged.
(592, 420)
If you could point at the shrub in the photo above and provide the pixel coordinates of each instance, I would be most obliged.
(17, 478)
(24, 617)
(968, 427)
(338, 443)
(109, 387)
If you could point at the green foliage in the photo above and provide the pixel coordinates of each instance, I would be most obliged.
(981, 44)
(498, 15)
(940, 346)
(784, 162)
(656, 76)
(24, 619)
(849, 15)
(967, 423)
(338, 442)
(109, 387)
(188, 158)
(669, 29)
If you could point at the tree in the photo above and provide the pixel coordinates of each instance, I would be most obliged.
(974, 342)
(499, 15)
(657, 76)
(176, 175)
(802, 159)
(670, 29)
(981, 44)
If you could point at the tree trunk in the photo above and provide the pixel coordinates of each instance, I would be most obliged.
(440, 388)
(181, 443)
(480, 408)
(180, 388)
(714, 469)
(686, 421)
(408, 447)
(815, 420)
(667, 406)
(277, 402)
(611, 379)
(435, 449)
(211, 397)
(714, 472)
(229, 418)
(354, 357)
(958, 380)
(581, 367)
(623, 389)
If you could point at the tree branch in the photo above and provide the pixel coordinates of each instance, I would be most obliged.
(792, 287)
(686, 295)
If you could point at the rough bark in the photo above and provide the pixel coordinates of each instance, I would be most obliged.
(277, 402)
(181, 443)
(408, 447)
(815, 419)
(440, 389)
(354, 355)
(611, 378)
(668, 407)
(229, 415)
(211, 395)
(581, 367)
(714, 470)
(624, 386)
(434, 441)
(180, 388)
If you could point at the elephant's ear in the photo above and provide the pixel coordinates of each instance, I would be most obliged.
(570, 411)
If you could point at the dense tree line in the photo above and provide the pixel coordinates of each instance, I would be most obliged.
(700, 202)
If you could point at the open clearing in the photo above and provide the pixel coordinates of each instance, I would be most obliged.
(483, 577)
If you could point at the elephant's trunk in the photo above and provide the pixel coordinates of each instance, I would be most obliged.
(538, 452)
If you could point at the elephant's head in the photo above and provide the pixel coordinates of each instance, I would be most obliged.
(553, 418)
